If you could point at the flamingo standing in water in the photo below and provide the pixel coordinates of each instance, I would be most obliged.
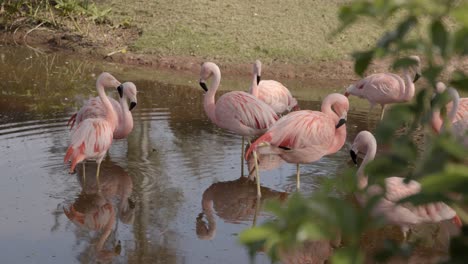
(457, 112)
(306, 136)
(94, 108)
(387, 88)
(396, 189)
(93, 136)
(273, 93)
(236, 111)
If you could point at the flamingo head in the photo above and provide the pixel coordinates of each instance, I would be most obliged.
(416, 68)
(107, 80)
(258, 70)
(129, 90)
(206, 72)
(349, 90)
(341, 108)
(353, 156)
(363, 142)
(440, 87)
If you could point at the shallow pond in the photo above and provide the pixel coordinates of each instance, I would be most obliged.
(153, 183)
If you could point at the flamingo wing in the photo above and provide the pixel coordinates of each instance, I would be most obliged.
(397, 189)
(276, 95)
(246, 109)
(91, 140)
(379, 88)
(94, 108)
(303, 129)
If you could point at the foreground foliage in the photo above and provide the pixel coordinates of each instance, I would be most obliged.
(437, 31)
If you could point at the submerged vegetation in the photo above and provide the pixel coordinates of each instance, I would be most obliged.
(440, 165)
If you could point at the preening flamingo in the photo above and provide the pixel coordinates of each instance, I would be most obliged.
(306, 136)
(396, 189)
(457, 113)
(93, 136)
(387, 88)
(94, 108)
(236, 111)
(273, 93)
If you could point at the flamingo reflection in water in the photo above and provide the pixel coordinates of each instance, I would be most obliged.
(233, 201)
(95, 210)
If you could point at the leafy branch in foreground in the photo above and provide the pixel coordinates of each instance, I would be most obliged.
(438, 32)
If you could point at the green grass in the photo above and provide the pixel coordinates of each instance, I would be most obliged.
(291, 31)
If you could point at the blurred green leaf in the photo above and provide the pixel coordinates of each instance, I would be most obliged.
(404, 63)
(363, 60)
(310, 231)
(460, 81)
(398, 34)
(439, 36)
(432, 73)
(460, 14)
(452, 176)
(255, 234)
(461, 40)
(348, 255)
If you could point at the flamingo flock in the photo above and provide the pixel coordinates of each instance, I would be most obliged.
(269, 115)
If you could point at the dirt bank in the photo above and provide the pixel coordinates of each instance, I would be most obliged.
(47, 40)
(106, 44)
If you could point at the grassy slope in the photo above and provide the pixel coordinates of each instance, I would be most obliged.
(239, 31)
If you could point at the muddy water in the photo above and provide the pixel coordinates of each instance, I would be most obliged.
(153, 184)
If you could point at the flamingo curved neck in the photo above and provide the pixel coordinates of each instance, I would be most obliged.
(111, 115)
(455, 102)
(326, 108)
(209, 100)
(127, 118)
(409, 86)
(338, 140)
(437, 121)
(370, 155)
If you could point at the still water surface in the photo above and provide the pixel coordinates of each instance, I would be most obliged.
(154, 183)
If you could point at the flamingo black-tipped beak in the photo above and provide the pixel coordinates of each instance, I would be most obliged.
(259, 78)
(132, 105)
(203, 85)
(341, 122)
(120, 90)
(353, 156)
(416, 77)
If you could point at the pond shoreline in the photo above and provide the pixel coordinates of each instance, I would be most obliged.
(47, 40)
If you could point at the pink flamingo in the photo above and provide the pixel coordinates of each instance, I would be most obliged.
(306, 136)
(396, 189)
(93, 136)
(273, 93)
(94, 108)
(236, 111)
(386, 88)
(457, 111)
